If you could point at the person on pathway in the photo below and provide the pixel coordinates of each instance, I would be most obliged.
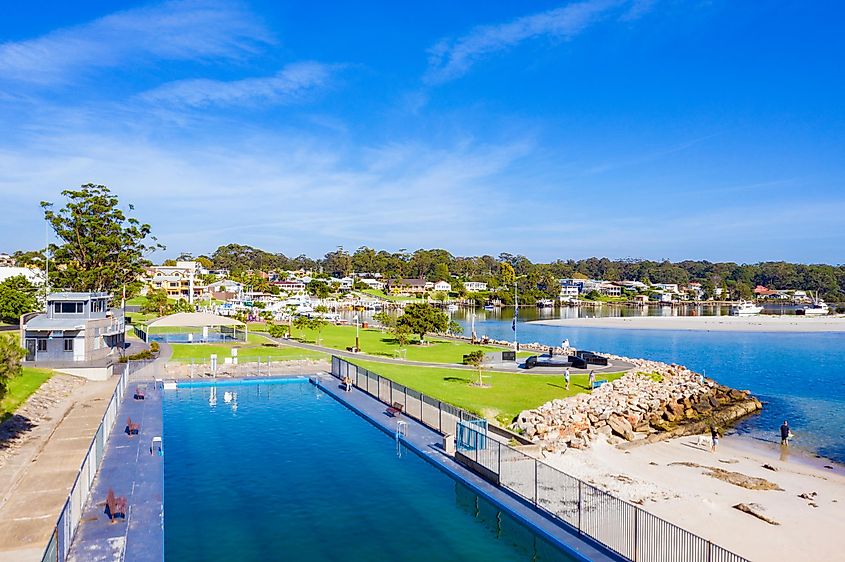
(566, 377)
(592, 378)
(784, 434)
(714, 437)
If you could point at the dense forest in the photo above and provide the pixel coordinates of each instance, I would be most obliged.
(435, 264)
(534, 279)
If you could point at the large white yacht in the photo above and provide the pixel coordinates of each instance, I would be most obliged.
(745, 308)
(818, 308)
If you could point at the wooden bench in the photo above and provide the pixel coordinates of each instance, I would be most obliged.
(115, 505)
(132, 428)
(395, 410)
(139, 393)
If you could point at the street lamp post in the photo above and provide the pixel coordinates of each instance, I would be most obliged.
(357, 344)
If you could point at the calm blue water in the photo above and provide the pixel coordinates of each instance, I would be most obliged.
(291, 474)
(799, 377)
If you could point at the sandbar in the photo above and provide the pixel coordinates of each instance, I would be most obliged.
(759, 323)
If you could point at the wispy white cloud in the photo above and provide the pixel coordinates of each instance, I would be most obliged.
(290, 84)
(452, 58)
(175, 30)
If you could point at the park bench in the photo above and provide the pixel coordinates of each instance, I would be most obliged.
(115, 505)
(139, 393)
(132, 428)
(598, 383)
(395, 410)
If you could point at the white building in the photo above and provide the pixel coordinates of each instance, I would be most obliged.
(372, 283)
(668, 287)
(475, 286)
(181, 281)
(442, 286)
(34, 276)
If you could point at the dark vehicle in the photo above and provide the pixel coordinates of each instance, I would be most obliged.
(558, 361)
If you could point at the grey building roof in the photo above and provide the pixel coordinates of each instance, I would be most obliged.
(71, 296)
(42, 322)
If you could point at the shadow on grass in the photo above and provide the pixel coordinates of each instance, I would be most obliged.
(456, 379)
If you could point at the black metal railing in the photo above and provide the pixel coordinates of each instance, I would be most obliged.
(618, 525)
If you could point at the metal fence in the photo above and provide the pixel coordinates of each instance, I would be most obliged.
(202, 367)
(620, 526)
(68, 521)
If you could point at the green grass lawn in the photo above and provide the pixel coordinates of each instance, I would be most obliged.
(375, 342)
(21, 387)
(507, 395)
(392, 298)
(252, 350)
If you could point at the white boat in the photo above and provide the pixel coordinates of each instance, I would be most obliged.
(745, 308)
(451, 307)
(545, 303)
(818, 308)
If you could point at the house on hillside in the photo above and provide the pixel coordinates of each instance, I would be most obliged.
(372, 283)
(442, 286)
(181, 281)
(475, 286)
(408, 286)
(74, 328)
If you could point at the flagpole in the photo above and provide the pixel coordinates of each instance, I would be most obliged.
(515, 314)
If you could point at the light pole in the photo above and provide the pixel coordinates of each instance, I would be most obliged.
(357, 344)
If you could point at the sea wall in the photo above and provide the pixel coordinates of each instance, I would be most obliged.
(652, 402)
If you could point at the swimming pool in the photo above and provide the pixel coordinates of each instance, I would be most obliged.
(281, 471)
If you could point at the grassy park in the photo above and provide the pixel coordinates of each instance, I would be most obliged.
(21, 387)
(256, 347)
(376, 342)
(505, 396)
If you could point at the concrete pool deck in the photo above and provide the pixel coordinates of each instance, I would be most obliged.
(131, 471)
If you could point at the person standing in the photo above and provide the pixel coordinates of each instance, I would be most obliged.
(566, 377)
(784, 434)
(714, 438)
(592, 378)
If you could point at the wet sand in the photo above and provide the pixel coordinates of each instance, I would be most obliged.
(760, 323)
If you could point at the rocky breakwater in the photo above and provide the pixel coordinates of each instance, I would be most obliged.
(654, 401)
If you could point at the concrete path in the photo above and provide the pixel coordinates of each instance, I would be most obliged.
(132, 471)
(32, 502)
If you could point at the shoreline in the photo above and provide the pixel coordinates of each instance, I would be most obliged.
(673, 479)
(760, 323)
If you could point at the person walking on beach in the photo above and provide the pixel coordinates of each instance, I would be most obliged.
(714, 438)
(592, 378)
(784, 434)
(566, 377)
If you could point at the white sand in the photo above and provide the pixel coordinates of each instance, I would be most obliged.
(702, 504)
(761, 323)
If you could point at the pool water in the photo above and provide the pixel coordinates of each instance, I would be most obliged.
(282, 471)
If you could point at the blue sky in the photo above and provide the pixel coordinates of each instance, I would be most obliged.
(619, 128)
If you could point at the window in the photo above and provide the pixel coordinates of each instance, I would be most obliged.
(68, 344)
(42, 344)
(69, 307)
(98, 305)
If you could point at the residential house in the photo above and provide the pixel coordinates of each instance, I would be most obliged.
(181, 281)
(442, 286)
(475, 286)
(6, 260)
(372, 283)
(75, 327)
(408, 286)
(290, 286)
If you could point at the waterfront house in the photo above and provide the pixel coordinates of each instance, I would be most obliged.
(408, 286)
(475, 286)
(74, 328)
(442, 286)
(290, 286)
(372, 283)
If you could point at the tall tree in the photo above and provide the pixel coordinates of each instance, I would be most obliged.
(102, 249)
(420, 318)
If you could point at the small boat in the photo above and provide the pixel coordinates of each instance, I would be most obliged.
(451, 307)
(818, 308)
(489, 307)
(745, 308)
(545, 303)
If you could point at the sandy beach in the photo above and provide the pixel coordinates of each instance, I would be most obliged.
(809, 527)
(759, 323)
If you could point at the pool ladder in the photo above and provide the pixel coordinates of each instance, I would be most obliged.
(401, 431)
